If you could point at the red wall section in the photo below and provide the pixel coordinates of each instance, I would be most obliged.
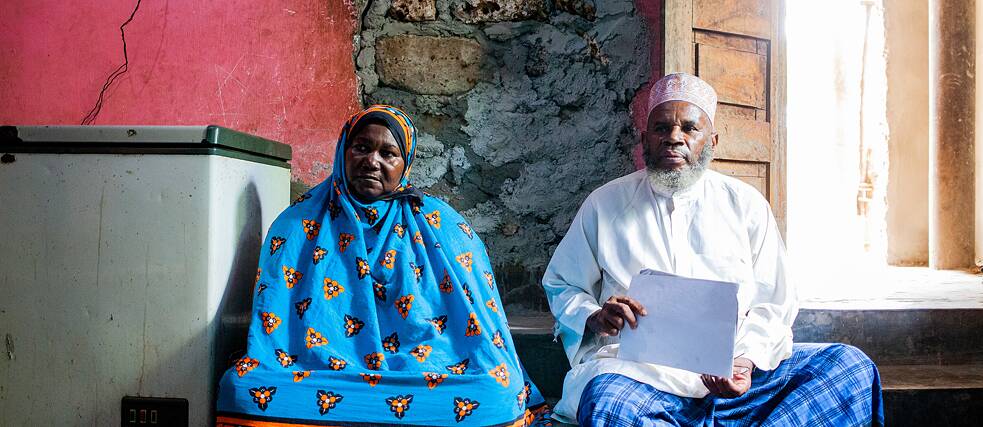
(652, 12)
(279, 69)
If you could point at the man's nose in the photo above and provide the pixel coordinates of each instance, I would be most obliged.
(675, 136)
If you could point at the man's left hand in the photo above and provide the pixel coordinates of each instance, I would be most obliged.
(731, 387)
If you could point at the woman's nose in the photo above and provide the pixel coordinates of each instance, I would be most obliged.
(373, 161)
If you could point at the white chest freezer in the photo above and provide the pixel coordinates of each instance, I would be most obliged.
(127, 260)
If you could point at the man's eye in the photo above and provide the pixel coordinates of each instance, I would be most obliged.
(388, 154)
(689, 129)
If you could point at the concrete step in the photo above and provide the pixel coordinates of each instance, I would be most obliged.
(922, 336)
(931, 360)
(932, 395)
(899, 336)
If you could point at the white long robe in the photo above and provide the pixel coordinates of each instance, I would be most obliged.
(720, 228)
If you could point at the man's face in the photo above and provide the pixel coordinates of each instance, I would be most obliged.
(373, 164)
(675, 136)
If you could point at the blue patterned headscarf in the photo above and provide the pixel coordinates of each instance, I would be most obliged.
(381, 312)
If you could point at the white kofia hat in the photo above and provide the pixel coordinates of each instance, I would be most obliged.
(684, 87)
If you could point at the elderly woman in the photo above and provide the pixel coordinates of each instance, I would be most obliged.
(376, 304)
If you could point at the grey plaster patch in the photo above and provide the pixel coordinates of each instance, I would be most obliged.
(485, 218)
(459, 164)
(607, 8)
(365, 59)
(431, 164)
(427, 145)
(502, 31)
(432, 104)
(500, 122)
(427, 171)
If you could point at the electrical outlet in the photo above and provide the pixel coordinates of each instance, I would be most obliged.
(153, 411)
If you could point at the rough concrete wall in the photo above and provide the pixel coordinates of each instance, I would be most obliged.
(281, 70)
(523, 107)
(906, 38)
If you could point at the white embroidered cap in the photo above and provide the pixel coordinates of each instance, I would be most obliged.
(684, 87)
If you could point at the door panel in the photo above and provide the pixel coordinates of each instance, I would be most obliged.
(737, 112)
(739, 77)
(737, 46)
(742, 139)
(743, 44)
(745, 17)
(752, 173)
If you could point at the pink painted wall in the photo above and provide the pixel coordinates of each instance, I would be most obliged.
(279, 69)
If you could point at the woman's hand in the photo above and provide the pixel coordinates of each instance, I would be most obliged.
(614, 314)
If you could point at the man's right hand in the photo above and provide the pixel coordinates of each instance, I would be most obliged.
(614, 314)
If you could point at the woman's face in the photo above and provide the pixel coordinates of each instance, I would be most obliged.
(373, 164)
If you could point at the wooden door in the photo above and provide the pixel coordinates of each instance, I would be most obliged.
(738, 46)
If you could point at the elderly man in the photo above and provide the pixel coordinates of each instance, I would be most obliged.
(678, 217)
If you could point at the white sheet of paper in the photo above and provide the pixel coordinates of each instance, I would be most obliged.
(691, 323)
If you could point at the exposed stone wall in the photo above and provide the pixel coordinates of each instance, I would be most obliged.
(523, 108)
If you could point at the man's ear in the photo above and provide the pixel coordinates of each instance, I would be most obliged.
(714, 139)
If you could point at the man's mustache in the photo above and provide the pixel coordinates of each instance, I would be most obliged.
(680, 151)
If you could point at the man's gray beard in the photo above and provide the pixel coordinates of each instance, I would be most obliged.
(673, 180)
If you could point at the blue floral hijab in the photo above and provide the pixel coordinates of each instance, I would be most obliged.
(376, 313)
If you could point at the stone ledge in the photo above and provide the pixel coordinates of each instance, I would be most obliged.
(892, 288)
(920, 377)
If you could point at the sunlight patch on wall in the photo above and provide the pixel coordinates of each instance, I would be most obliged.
(837, 140)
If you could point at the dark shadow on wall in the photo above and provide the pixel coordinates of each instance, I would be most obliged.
(236, 305)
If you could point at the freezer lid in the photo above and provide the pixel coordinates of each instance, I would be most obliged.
(143, 140)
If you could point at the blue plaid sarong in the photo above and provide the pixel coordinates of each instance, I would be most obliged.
(820, 384)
